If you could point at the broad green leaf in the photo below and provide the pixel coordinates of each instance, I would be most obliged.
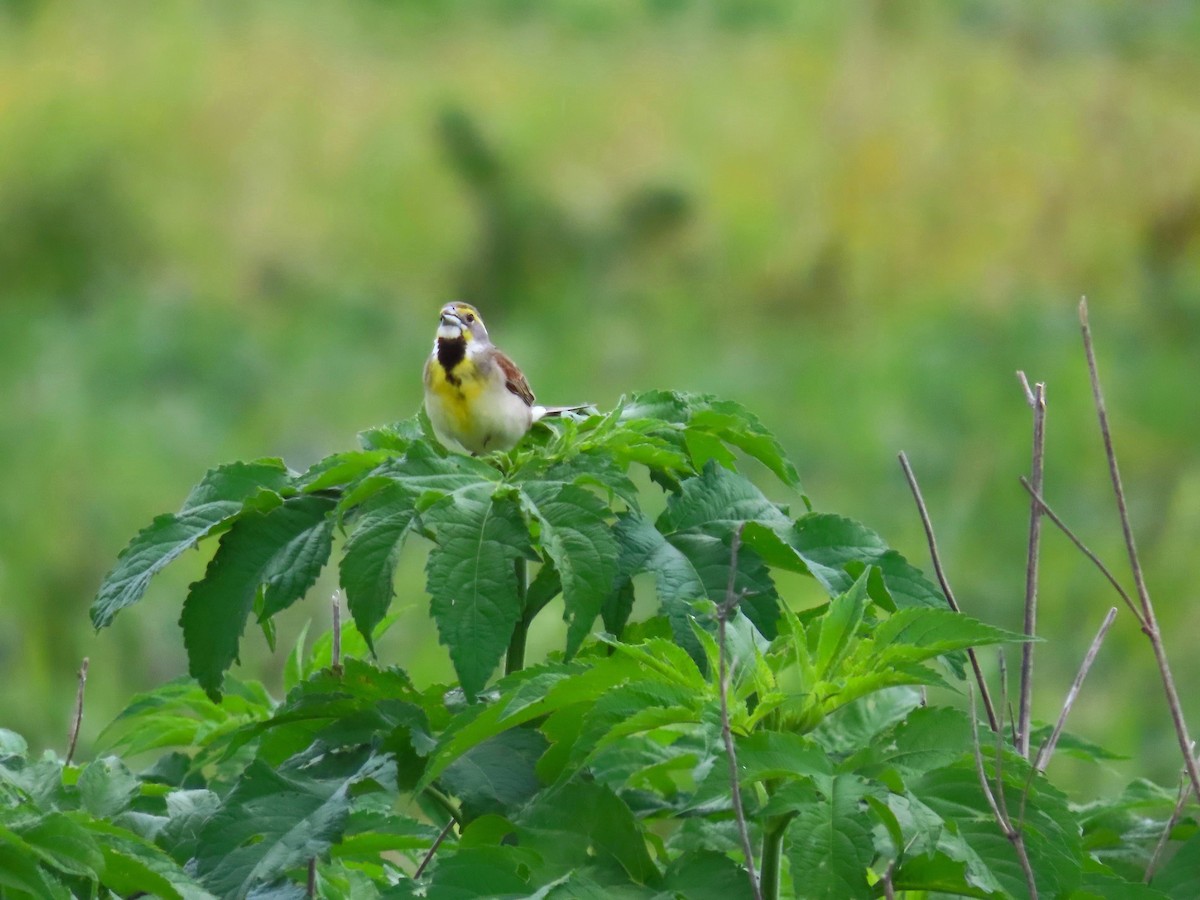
(839, 627)
(718, 501)
(107, 787)
(368, 565)
(63, 844)
(281, 552)
(340, 469)
(927, 738)
(133, 866)
(829, 843)
(218, 498)
(706, 874)
(472, 578)
(498, 775)
(936, 872)
(856, 727)
(912, 635)
(577, 537)
(20, 870)
(480, 872)
(1180, 877)
(608, 825)
(274, 820)
(829, 544)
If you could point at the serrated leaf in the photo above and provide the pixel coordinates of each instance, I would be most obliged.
(135, 866)
(839, 626)
(829, 843)
(472, 579)
(915, 634)
(368, 564)
(718, 501)
(63, 844)
(218, 498)
(829, 544)
(280, 552)
(496, 776)
(576, 535)
(107, 787)
(340, 469)
(272, 821)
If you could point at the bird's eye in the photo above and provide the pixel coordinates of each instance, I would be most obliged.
(470, 317)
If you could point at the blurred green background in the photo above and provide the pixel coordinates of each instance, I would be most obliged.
(225, 230)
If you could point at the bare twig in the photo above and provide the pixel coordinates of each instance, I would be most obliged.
(1005, 704)
(336, 652)
(1083, 548)
(949, 594)
(445, 832)
(77, 718)
(1185, 791)
(1047, 749)
(311, 889)
(1149, 621)
(997, 806)
(1037, 402)
(724, 610)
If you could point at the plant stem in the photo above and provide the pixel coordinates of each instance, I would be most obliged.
(515, 660)
(1036, 397)
(77, 718)
(772, 854)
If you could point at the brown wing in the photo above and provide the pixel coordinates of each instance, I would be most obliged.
(514, 380)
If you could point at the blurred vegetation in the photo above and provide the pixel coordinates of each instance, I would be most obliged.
(225, 231)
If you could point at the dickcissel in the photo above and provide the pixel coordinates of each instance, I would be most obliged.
(476, 397)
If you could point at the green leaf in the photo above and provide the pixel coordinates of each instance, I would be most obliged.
(340, 469)
(496, 776)
(133, 865)
(1181, 876)
(107, 787)
(705, 874)
(828, 544)
(718, 501)
(829, 843)
(280, 551)
(20, 871)
(277, 819)
(63, 844)
(472, 578)
(839, 627)
(368, 566)
(915, 634)
(218, 498)
(577, 537)
(595, 813)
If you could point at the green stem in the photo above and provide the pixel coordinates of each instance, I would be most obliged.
(771, 856)
(515, 660)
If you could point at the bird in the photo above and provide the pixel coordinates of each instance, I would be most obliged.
(476, 397)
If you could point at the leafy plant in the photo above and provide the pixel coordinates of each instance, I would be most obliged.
(601, 771)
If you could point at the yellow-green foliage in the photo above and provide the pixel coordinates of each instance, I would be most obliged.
(225, 231)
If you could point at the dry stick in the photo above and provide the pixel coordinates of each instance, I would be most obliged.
(335, 656)
(949, 594)
(433, 849)
(1037, 402)
(1047, 749)
(1083, 548)
(724, 611)
(1150, 623)
(1012, 834)
(77, 718)
(311, 890)
(1185, 791)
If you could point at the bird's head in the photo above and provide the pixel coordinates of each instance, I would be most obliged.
(461, 321)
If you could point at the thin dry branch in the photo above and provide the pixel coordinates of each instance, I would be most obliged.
(1083, 548)
(1185, 791)
(1013, 835)
(1149, 621)
(724, 611)
(931, 540)
(1036, 399)
(1047, 749)
(77, 717)
(445, 832)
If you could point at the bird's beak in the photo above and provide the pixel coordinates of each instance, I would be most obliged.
(450, 317)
